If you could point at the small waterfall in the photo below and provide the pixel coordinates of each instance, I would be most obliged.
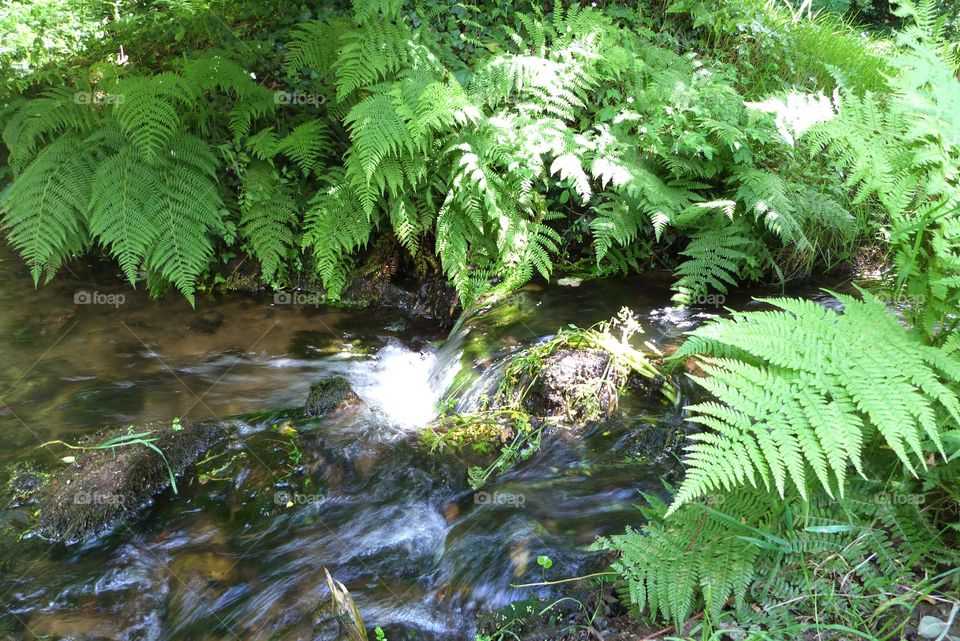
(404, 385)
(452, 377)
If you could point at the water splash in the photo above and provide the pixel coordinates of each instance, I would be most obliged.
(403, 385)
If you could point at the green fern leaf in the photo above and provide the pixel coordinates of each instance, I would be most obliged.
(44, 210)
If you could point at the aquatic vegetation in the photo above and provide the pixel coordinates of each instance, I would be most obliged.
(513, 421)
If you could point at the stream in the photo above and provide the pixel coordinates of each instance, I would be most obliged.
(243, 558)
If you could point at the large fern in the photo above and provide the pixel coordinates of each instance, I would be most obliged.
(120, 168)
(44, 211)
(268, 212)
(803, 388)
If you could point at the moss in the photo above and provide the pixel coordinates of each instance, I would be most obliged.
(24, 480)
(328, 394)
(568, 381)
(103, 486)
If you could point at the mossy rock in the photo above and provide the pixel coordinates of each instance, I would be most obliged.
(559, 387)
(330, 394)
(103, 486)
(24, 480)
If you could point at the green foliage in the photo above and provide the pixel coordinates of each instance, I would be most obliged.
(44, 207)
(574, 135)
(671, 561)
(785, 557)
(902, 152)
(503, 423)
(268, 212)
(804, 388)
(117, 165)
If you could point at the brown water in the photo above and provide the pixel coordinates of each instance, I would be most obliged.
(417, 549)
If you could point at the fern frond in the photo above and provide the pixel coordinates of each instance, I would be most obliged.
(334, 230)
(267, 214)
(148, 111)
(697, 550)
(370, 54)
(306, 145)
(187, 213)
(799, 389)
(44, 211)
(122, 202)
(39, 121)
(715, 258)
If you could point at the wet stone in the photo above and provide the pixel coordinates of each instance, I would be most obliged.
(103, 486)
(329, 394)
(553, 392)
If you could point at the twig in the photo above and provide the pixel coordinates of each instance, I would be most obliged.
(576, 578)
(667, 629)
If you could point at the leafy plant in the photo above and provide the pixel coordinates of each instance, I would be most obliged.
(120, 168)
(804, 388)
(901, 151)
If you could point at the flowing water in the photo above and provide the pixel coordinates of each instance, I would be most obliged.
(227, 559)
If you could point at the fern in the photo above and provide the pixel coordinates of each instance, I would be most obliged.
(267, 214)
(305, 145)
(903, 152)
(40, 121)
(370, 54)
(770, 199)
(803, 388)
(44, 210)
(215, 73)
(752, 548)
(188, 212)
(124, 192)
(314, 46)
(696, 550)
(148, 111)
(334, 231)
(716, 257)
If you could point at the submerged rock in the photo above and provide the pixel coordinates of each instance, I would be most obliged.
(24, 480)
(330, 394)
(103, 486)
